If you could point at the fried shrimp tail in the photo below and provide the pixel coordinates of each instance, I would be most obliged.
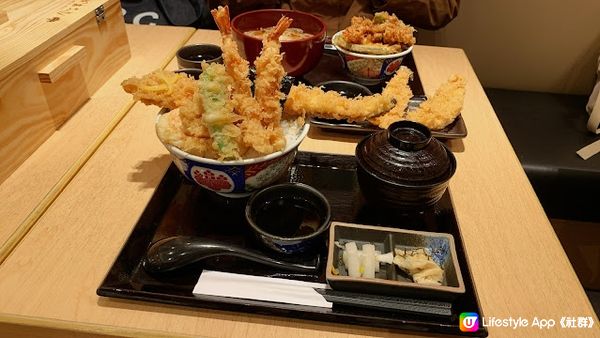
(162, 88)
(269, 73)
(236, 66)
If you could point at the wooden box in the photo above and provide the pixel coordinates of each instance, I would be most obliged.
(54, 55)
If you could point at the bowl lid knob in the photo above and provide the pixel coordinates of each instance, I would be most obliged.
(408, 135)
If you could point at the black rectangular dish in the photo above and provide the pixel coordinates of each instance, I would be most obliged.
(179, 207)
(388, 279)
(329, 68)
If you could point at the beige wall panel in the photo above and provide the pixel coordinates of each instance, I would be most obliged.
(536, 45)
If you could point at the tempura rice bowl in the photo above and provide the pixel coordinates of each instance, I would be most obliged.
(369, 69)
(239, 178)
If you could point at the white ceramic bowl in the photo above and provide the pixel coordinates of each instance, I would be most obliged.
(369, 69)
(236, 178)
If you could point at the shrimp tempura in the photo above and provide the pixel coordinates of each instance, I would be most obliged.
(262, 132)
(443, 107)
(260, 129)
(236, 66)
(218, 115)
(269, 73)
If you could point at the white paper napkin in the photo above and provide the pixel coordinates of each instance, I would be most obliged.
(224, 284)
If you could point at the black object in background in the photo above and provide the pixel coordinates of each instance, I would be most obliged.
(192, 13)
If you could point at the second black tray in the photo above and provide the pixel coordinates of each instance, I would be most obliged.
(179, 207)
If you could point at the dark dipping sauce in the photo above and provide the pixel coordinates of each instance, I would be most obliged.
(191, 56)
(201, 57)
(288, 217)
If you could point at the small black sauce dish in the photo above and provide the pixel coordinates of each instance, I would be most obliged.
(345, 88)
(289, 218)
(192, 56)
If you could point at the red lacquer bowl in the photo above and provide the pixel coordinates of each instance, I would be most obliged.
(301, 56)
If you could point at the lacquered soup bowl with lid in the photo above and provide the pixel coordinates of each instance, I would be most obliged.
(404, 167)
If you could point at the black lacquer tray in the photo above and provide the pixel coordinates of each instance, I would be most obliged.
(179, 207)
(329, 69)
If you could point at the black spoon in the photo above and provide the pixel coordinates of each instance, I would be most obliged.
(172, 253)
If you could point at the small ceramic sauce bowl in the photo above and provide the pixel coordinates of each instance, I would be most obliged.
(192, 56)
(289, 218)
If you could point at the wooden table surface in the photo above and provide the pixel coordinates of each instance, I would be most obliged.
(48, 282)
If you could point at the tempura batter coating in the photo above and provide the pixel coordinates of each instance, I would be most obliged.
(191, 118)
(379, 109)
(269, 74)
(313, 101)
(443, 107)
(261, 113)
(264, 140)
(219, 116)
(398, 89)
(385, 34)
(162, 88)
(262, 131)
(169, 130)
(236, 66)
